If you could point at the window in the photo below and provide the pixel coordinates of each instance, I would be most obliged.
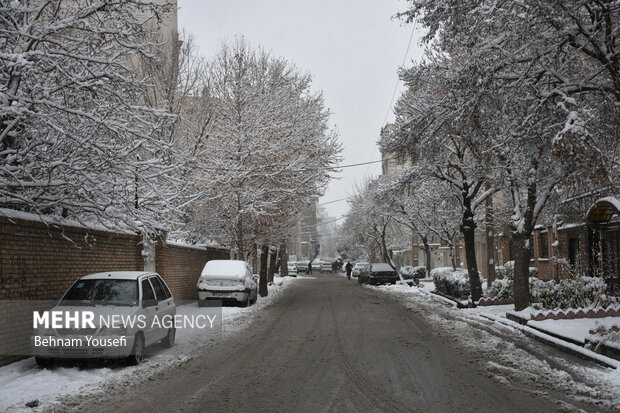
(105, 291)
(147, 291)
(161, 291)
(573, 253)
(531, 247)
(544, 245)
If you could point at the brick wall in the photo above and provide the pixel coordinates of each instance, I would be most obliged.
(181, 267)
(40, 262)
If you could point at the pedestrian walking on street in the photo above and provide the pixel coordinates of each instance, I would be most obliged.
(349, 269)
(310, 268)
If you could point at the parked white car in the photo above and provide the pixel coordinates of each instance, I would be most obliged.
(227, 281)
(292, 269)
(357, 267)
(326, 266)
(135, 295)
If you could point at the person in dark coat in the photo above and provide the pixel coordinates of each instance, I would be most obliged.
(349, 269)
(310, 267)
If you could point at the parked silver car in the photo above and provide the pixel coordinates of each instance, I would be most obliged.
(128, 300)
(227, 281)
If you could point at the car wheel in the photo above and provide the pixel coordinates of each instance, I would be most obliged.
(44, 362)
(168, 341)
(137, 352)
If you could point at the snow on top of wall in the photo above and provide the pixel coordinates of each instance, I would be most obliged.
(60, 221)
(573, 225)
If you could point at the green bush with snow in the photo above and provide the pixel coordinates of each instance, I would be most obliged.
(451, 282)
(412, 273)
(574, 292)
(504, 279)
(507, 271)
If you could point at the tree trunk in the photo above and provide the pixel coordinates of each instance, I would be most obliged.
(453, 257)
(272, 266)
(283, 260)
(488, 211)
(468, 228)
(384, 250)
(240, 238)
(521, 286)
(254, 258)
(427, 254)
(262, 284)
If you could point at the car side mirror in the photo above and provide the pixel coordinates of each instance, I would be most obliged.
(255, 277)
(149, 303)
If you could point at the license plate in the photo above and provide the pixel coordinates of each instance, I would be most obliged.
(221, 294)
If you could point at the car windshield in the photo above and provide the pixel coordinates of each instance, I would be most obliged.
(102, 292)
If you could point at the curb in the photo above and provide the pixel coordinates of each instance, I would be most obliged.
(458, 303)
(558, 343)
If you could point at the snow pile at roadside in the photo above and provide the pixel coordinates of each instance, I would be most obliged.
(23, 381)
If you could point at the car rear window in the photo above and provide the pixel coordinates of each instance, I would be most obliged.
(102, 292)
(381, 268)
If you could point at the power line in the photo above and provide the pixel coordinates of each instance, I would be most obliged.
(398, 80)
(320, 223)
(354, 164)
(387, 113)
(329, 168)
(334, 201)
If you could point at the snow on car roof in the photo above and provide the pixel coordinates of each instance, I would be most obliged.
(118, 275)
(225, 267)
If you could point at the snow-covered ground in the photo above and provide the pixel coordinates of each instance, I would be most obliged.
(24, 382)
(501, 346)
(577, 329)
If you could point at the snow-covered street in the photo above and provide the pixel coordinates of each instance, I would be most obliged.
(326, 342)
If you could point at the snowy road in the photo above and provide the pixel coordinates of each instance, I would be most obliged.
(329, 344)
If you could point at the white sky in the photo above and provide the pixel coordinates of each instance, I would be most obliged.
(352, 48)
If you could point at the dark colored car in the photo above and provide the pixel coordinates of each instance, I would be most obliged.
(378, 273)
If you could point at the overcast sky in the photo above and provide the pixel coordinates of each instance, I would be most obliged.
(352, 48)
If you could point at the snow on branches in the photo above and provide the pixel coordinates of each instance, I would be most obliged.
(520, 95)
(76, 137)
(270, 151)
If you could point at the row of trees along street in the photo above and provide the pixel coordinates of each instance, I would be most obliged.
(513, 109)
(105, 120)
